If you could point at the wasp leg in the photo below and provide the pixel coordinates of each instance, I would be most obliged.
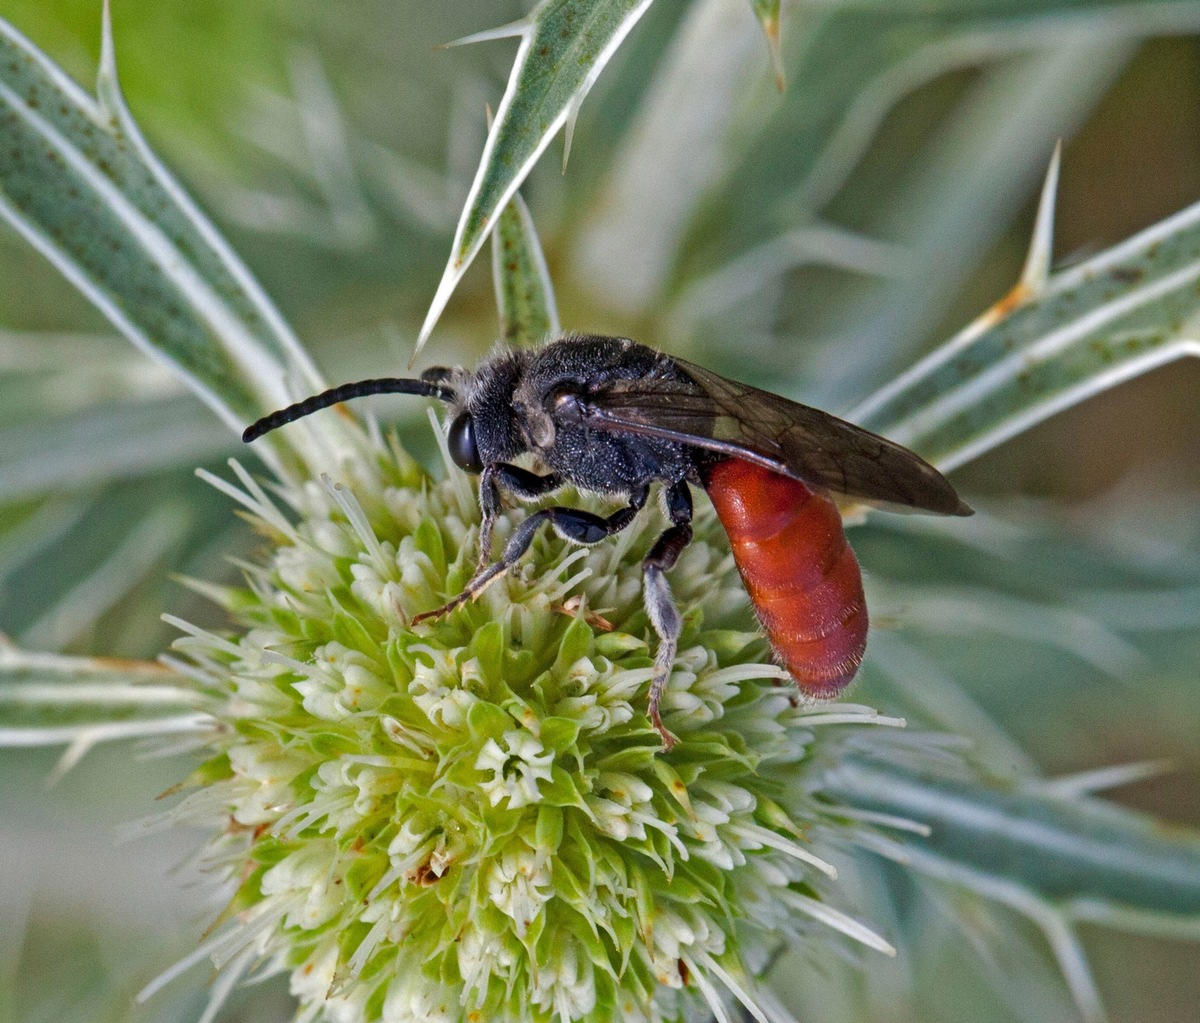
(520, 482)
(572, 524)
(660, 607)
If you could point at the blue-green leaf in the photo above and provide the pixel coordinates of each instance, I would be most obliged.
(106, 442)
(50, 700)
(1053, 342)
(524, 292)
(1063, 849)
(78, 180)
(1058, 859)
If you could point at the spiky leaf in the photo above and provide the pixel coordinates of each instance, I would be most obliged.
(1055, 857)
(1050, 344)
(79, 181)
(564, 47)
(1062, 849)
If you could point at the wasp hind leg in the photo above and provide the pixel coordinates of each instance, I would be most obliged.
(573, 524)
(660, 606)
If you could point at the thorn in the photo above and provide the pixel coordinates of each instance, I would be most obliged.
(106, 34)
(1036, 272)
(569, 131)
(770, 28)
(1037, 264)
(442, 296)
(510, 31)
(1085, 783)
(71, 756)
(106, 75)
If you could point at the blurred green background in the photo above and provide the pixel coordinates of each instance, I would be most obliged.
(334, 146)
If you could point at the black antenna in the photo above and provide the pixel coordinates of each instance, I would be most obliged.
(336, 395)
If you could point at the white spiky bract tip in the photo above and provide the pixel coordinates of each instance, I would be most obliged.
(1036, 271)
(475, 820)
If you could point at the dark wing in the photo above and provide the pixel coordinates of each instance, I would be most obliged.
(699, 407)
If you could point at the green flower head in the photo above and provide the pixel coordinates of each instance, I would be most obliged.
(474, 818)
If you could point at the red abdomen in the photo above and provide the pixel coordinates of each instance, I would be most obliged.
(799, 570)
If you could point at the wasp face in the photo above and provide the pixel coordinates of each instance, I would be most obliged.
(460, 437)
(484, 428)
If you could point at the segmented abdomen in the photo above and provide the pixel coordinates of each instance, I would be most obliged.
(799, 570)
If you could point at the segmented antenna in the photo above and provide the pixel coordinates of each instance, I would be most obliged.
(346, 392)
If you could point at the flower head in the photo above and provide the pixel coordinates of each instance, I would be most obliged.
(474, 818)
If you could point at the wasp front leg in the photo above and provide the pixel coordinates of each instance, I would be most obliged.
(573, 524)
(523, 484)
(660, 606)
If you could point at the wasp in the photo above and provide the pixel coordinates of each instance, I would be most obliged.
(613, 417)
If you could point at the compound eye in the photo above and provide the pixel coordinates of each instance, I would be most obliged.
(463, 448)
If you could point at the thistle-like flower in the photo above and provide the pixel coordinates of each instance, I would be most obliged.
(474, 818)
